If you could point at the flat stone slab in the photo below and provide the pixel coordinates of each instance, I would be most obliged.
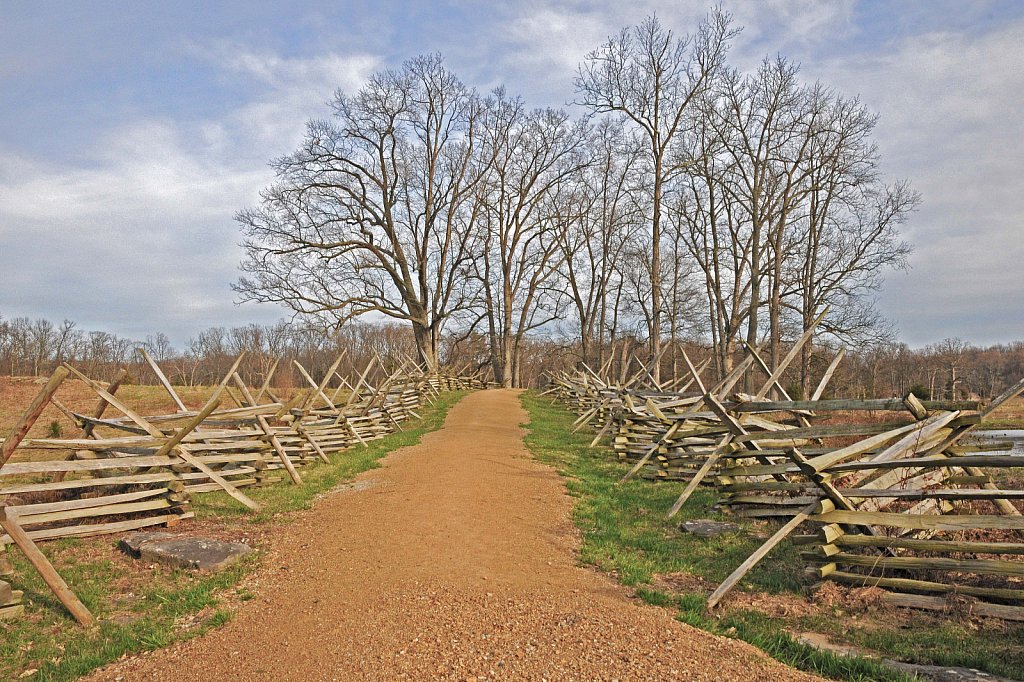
(939, 673)
(182, 551)
(131, 544)
(708, 528)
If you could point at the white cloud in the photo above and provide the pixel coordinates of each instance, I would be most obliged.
(535, 47)
(141, 236)
(283, 73)
(148, 166)
(950, 122)
(291, 90)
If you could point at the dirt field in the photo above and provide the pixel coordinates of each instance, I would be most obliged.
(453, 562)
(17, 392)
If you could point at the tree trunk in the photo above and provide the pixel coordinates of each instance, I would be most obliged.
(774, 304)
(585, 348)
(426, 344)
(507, 370)
(517, 379)
(805, 366)
(755, 293)
(656, 273)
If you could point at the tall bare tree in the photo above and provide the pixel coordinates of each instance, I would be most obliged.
(372, 214)
(764, 123)
(593, 245)
(710, 222)
(534, 159)
(848, 233)
(653, 77)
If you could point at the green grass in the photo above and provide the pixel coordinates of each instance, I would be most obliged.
(48, 640)
(624, 532)
(142, 609)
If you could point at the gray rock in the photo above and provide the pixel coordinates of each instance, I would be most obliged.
(182, 551)
(939, 673)
(131, 544)
(708, 528)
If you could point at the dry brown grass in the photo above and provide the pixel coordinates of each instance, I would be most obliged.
(17, 392)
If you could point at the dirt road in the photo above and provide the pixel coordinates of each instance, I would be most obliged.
(454, 561)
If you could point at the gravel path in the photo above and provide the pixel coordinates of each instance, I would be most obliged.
(455, 561)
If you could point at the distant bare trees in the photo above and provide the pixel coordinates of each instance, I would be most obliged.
(948, 369)
(36, 347)
(31, 347)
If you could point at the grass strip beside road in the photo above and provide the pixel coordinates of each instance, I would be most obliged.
(142, 608)
(624, 532)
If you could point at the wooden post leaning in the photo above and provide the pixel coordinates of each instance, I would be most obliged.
(164, 381)
(28, 419)
(276, 444)
(761, 552)
(45, 568)
(301, 430)
(97, 413)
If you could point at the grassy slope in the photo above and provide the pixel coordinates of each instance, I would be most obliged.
(624, 531)
(1010, 415)
(144, 608)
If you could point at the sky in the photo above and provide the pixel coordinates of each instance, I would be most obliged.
(131, 133)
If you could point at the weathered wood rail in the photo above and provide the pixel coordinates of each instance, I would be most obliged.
(913, 504)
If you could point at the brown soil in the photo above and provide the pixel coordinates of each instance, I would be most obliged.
(455, 561)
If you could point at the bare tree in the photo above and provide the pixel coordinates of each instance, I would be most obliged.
(68, 341)
(42, 339)
(653, 78)
(593, 244)
(680, 296)
(764, 123)
(848, 234)
(372, 213)
(710, 223)
(185, 369)
(159, 347)
(534, 158)
(951, 353)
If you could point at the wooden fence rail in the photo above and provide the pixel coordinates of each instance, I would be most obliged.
(917, 503)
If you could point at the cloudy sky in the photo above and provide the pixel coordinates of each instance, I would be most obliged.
(131, 133)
